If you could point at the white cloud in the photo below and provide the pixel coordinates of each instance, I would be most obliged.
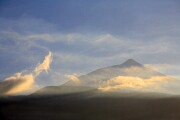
(73, 77)
(161, 84)
(19, 83)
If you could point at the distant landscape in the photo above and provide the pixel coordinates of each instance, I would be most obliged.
(68, 102)
(89, 60)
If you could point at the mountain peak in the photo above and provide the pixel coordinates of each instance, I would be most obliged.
(129, 63)
(98, 77)
(130, 60)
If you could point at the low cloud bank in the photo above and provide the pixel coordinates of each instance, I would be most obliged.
(163, 84)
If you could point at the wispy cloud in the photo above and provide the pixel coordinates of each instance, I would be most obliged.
(159, 66)
(17, 36)
(45, 65)
(73, 77)
(78, 52)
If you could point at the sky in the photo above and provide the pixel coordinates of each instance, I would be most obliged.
(85, 35)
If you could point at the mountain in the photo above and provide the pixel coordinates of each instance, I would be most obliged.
(128, 68)
(54, 90)
(95, 78)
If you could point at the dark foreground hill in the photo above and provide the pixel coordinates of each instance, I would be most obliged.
(91, 105)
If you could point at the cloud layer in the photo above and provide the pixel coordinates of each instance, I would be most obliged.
(30, 38)
(136, 83)
(19, 83)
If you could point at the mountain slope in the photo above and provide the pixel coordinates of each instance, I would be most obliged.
(97, 78)
(53, 90)
(128, 68)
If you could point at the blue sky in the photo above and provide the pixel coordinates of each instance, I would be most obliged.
(84, 35)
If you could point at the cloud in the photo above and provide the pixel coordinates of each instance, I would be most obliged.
(45, 65)
(48, 37)
(19, 83)
(133, 69)
(155, 84)
(104, 44)
(73, 78)
(83, 52)
(21, 37)
(168, 69)
(158, 66)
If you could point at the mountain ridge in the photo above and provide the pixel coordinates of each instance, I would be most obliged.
(128, 68)
(96, 78)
